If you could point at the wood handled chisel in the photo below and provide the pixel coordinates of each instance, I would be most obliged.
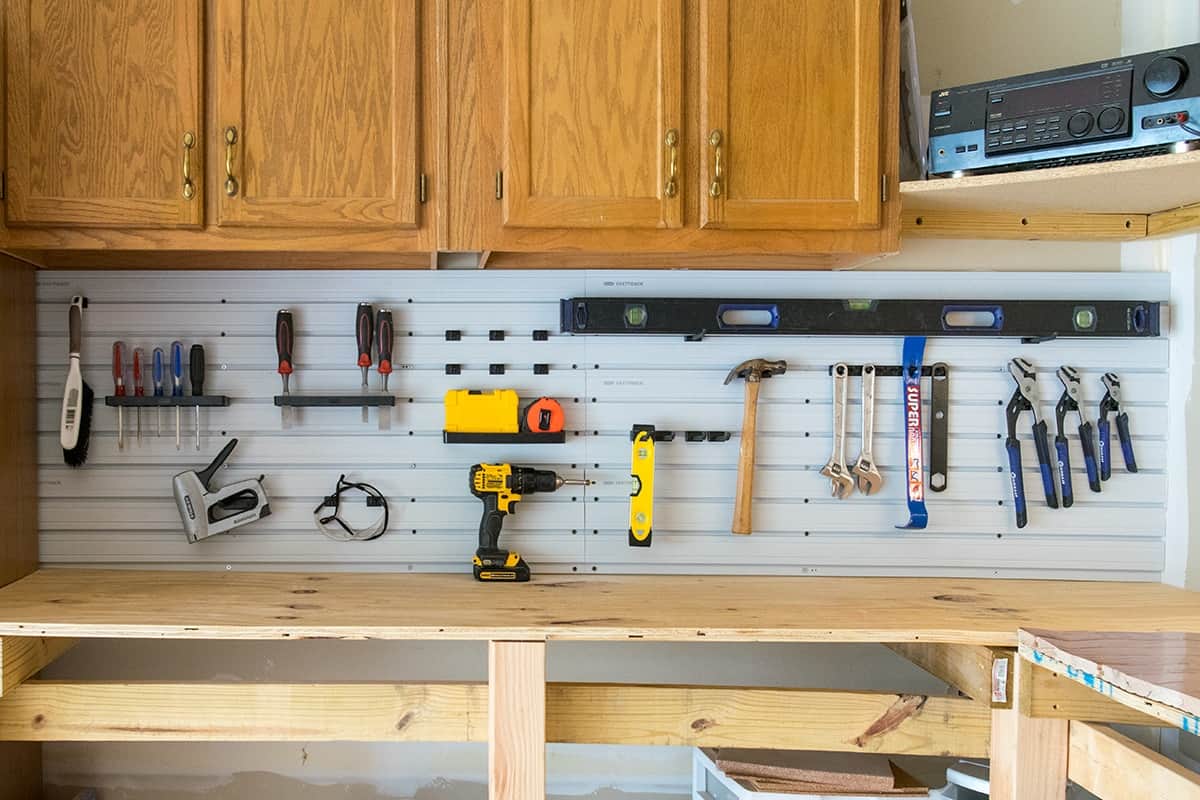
(364, 332)
(284, 339)
(384, 335)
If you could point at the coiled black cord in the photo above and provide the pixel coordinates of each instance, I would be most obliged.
(346, 533)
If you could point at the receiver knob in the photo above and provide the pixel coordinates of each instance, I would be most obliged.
(1079, 123)
(1110, 119)
(1165, 75)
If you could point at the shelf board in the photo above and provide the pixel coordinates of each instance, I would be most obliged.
(1112, 200)
(245, 605)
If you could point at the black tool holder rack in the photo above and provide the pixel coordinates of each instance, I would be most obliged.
(335, 400)
(167, 401)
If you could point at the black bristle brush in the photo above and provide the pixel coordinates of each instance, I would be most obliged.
(76, 425)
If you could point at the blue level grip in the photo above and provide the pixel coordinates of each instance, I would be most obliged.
(1089, 455)
(1064, 471)
(1017, 479)
(1126, 441)
(1105, 431)
(748, 316)
(1041, 442)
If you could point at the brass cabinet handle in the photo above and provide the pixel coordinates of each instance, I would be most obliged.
(189, 188)
(714, 140)
(231, 184)
(672, 142)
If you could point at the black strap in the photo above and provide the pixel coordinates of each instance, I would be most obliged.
(335, 500)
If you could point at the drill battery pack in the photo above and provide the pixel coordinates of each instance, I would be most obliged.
(499, 565)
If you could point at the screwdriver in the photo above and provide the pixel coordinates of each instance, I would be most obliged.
(196, 372)
(177, 382)
(363, 330)
(157, 368)
(139, 388)
(118, 373)
(383, 324)
(283, 346)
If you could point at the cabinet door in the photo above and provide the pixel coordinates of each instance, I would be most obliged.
(317, 104)
(593, 96)
(791, 100)
(102, 95)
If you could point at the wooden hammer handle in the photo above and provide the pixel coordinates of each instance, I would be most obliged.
(742, 518)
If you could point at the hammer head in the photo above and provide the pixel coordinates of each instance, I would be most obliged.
(756, 369)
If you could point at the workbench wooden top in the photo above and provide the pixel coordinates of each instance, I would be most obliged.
(239, 605)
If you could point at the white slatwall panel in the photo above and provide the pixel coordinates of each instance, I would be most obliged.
(118, 510)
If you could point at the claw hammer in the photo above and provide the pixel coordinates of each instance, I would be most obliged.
(753, 372)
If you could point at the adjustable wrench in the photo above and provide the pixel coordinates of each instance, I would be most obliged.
(841, 484)
(865, 469)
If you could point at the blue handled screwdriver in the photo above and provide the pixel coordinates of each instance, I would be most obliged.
(158, 384)
(177, 383)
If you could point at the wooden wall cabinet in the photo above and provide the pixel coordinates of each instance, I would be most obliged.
(695, 128)
(593, 93)
(566, 133)
(791, 99)
(305, 120)
(317, 105)
(103, 113)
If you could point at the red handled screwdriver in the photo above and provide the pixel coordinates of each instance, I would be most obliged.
(363, 332)
(118, 373)
(139, 387)
(383, 338)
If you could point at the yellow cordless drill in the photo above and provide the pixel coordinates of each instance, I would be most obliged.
(501, 487)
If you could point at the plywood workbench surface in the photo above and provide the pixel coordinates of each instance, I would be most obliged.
(230, 605)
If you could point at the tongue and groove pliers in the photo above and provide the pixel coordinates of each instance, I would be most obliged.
(1112, 402)
(1025, 398)
(1067, 404)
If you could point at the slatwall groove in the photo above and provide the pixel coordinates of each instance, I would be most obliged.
(118, 511)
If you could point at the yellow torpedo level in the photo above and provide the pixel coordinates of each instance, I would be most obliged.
(641, 500)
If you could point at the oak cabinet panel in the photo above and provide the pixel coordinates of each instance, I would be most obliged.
(592, 91)
(791, 102)
(317, 106)
(102, 97)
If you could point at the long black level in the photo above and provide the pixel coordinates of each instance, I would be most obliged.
(697, 318)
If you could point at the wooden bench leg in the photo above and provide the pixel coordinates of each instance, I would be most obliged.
(1028, 756)
(516, 720)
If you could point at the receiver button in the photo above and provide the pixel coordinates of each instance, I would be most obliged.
(1110, 119)
(1080, 123)
(1164, 76)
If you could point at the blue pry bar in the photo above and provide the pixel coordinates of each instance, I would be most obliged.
(914, 433)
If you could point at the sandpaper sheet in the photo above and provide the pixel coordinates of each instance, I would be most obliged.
(905, 786)
(860, 772)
